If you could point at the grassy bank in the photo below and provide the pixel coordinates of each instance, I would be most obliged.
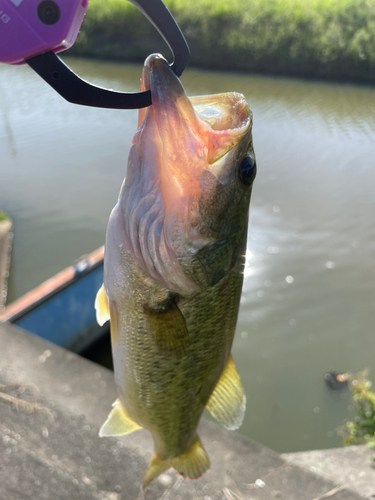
(362, 429)
(3, 216)
(330, 39)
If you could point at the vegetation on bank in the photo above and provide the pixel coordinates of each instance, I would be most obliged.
(362, 429)
(3, 216)
(332, 39)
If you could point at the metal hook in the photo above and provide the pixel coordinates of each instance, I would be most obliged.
(76, 90)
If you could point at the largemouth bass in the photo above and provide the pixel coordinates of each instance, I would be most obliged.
(173, 269)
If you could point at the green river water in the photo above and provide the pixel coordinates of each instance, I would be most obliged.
(308, 304)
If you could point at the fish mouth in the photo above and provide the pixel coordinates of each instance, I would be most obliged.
(194, 132)
(221, 112)
(227, 111)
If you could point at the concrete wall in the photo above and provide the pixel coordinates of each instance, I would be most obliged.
(5, 249)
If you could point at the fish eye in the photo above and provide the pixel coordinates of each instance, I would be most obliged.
(248, 170)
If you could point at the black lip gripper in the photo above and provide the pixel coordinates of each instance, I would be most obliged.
(76, 90)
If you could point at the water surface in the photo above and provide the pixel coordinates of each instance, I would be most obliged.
(308, 304)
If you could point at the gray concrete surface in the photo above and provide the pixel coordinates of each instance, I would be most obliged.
(5, 246)
(50, 449)
(351, 466)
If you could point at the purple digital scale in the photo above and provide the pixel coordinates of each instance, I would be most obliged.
(34, 31)
(31, 27)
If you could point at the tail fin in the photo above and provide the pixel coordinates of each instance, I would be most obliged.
(191, 464)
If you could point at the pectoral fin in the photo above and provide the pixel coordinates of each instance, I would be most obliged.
(168, 325)
(227, 403)
(102, 306)
(118, 422)
(192, 464)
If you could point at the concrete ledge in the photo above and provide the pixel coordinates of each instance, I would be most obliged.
(350, 466)
(55, 452)
(5, 248)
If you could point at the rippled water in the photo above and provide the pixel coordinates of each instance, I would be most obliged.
(309, 296)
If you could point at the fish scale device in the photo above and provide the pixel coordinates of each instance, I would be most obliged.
(33, 32)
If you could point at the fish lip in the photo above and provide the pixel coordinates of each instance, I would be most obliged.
(158, 76)
(157, 64)
(152, 62)
(165, 86)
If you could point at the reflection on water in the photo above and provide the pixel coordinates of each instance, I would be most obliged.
(309, 295)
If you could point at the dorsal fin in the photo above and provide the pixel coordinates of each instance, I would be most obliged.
(227, 402)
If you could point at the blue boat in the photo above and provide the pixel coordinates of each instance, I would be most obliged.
(61, 309)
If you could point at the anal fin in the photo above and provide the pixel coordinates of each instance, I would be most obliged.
(118, 422)
(227, 403)
(102, 306)
(192, 464)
